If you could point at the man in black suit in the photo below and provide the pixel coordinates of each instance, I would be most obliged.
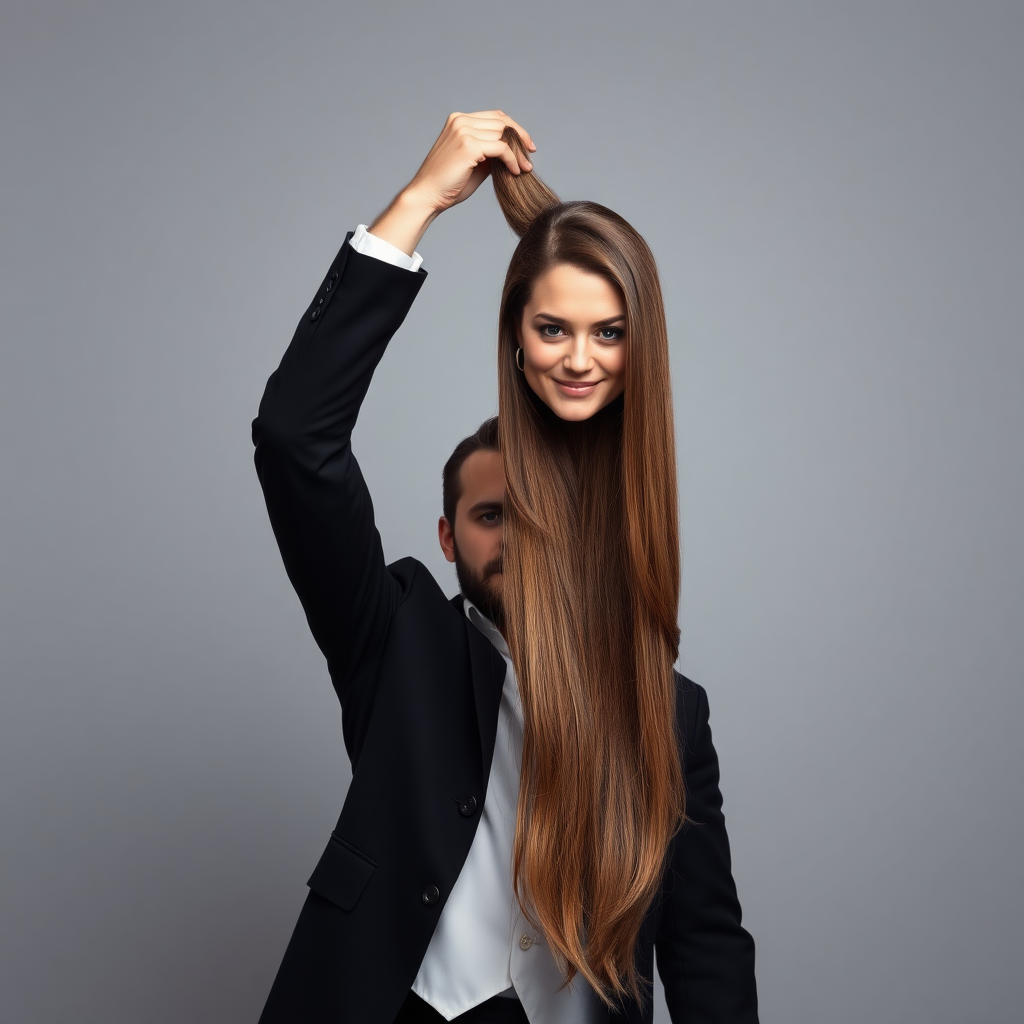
(422, 683)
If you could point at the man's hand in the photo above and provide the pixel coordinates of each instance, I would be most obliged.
(453, 169)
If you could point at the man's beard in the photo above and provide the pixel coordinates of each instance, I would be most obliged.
(480, 590)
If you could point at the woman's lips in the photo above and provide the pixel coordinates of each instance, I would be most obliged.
(576, 388)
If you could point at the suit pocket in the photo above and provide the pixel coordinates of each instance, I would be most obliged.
(342, 873)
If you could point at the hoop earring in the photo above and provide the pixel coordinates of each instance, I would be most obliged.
(519, 352)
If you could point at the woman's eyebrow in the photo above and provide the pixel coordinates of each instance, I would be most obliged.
(607, 322)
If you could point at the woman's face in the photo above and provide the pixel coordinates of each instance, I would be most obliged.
(573, 336)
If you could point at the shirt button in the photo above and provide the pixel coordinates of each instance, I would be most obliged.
(525, 942)
(431, 895)
(467, 806)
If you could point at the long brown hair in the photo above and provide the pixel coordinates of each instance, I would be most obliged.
(591, 594)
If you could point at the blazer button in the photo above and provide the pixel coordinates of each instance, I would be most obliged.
(467, 806)
(431, 895)
(315, 313)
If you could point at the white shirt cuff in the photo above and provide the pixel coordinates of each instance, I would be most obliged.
(370, 245)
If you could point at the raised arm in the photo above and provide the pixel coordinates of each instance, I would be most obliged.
(705, 957)
(318, 503)
(319, 506)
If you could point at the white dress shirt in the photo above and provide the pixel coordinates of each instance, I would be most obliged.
(482, 945)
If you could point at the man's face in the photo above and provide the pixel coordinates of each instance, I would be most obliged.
(475, 545)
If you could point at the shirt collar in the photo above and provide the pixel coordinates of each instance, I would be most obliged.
(484, 624)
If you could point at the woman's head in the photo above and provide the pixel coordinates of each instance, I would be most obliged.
(582, 319)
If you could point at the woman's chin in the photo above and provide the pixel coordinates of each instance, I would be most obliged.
(573, 412)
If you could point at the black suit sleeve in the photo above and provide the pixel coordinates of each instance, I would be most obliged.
(319, 506)
(705, 957)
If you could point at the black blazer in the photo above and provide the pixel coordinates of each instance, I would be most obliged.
(419, 687)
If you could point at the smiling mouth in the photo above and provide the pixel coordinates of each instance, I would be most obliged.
(581, 386)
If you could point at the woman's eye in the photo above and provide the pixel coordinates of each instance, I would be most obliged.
(611, 333)
(550, 330)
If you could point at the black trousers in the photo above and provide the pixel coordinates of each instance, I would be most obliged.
(498, 1010)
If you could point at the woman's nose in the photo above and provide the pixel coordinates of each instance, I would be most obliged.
(578, 357)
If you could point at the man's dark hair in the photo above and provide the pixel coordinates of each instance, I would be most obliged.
(484, 440)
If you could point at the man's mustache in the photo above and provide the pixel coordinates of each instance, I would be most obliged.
(493, 567)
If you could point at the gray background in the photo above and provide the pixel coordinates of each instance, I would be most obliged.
(833, 193)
